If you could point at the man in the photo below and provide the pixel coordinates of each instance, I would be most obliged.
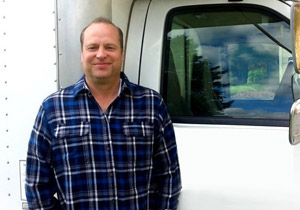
(103, 143)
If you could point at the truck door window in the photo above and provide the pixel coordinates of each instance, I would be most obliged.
(227, 62)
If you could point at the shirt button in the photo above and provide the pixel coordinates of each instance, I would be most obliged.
(107, 148)
(111, 174)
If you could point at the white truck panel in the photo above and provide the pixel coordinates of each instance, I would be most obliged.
(135, 40)
(237, 167)
(27, 76)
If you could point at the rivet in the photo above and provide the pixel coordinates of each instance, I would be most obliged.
(7, 162)
(6, 130)
(7, 146)
(8, 179)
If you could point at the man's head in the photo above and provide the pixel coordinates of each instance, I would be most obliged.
(102, 20)
(102, 52)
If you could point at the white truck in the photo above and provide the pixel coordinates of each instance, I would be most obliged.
(224, 68)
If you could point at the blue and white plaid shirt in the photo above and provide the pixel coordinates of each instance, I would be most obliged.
(125, 158)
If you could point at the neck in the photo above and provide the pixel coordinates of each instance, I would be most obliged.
(105, 92)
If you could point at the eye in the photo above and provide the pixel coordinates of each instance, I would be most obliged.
(110, 47)
(91, 48)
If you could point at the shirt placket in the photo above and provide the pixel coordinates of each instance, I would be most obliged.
(111, 169)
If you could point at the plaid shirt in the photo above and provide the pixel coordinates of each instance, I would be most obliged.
(125, 158)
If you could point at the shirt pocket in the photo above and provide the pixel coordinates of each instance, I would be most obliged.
(138, 129)
(69, 131)
(71, 146)
(139, 140)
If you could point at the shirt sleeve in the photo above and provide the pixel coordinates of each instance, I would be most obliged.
(165, 164)
(40, 183)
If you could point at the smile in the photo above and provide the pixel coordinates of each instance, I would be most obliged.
(101, 65)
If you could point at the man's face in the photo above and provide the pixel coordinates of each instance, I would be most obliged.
(101, 54)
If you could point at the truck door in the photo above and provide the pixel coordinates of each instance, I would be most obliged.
(225, 73)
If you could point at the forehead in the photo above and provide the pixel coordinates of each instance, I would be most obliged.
(101, 31)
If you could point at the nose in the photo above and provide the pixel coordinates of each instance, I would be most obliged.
(101, 53)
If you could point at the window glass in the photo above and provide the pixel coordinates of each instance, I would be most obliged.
(227, 62)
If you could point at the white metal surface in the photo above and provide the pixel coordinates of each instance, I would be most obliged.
(237, 167)
(135, 40)
(27, 76)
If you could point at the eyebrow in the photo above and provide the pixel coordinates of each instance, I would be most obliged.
(105, 44)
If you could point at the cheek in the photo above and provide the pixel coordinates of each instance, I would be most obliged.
(118, 64)
(118, 59)
(85, 62)
(87, 57)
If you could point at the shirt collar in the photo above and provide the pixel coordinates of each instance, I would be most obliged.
(126, 84)
(81, 85)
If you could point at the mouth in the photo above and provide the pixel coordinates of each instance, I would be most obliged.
(102, 64)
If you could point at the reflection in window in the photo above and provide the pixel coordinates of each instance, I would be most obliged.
(232, 62)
